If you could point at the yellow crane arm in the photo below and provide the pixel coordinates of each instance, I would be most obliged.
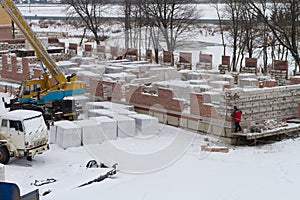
(39, 49)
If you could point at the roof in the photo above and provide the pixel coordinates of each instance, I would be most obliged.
(20, 114)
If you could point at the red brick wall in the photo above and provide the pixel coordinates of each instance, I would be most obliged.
(185, 57)
(164, 98)
(14, 73)
(88, 47)
(73, 46)
(280, 65)
(270, 83)
(205, 110)
(206, 58)
(6, 32)
(295, 80)
(226, 60)
(167, 56)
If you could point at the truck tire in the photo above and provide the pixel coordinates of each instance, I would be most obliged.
(4, 155)
(29, 158)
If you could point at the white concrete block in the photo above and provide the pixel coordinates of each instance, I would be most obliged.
(91, 132)
(126, 126)
(146, 125)
(68, 134)
(100, 112)
(108, 127)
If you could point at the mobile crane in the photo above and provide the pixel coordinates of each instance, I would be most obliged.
(35, 93)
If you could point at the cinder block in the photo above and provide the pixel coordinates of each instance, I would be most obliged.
(146, 125)
(108, 127)
(68, 134)
(172, 120)
(126, 126)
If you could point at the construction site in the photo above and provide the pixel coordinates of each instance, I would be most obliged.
(120, 94)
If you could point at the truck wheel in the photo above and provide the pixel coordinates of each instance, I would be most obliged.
(4, 155)
(29, 158)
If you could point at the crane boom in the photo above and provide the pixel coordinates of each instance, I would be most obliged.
(39, 91)
(40, 51)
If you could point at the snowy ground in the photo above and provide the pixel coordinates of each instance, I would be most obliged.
(262, 172)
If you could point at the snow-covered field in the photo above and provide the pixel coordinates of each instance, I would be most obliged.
(262, 172)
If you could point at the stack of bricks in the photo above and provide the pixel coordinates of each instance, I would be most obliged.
(250, 66)
(88, 50)
(7, 47)
(205, 62)
(101, 52)
(167, 57)
(280, 71)
(261, 104)
(185, 61)
(225, 66)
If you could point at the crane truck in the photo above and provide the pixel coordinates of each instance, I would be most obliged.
(41, 94)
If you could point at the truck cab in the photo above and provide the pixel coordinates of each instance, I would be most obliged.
(23, 133)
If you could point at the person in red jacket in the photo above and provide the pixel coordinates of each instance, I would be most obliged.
(237, 116)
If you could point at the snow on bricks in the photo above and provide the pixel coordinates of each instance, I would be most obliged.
(164, 98)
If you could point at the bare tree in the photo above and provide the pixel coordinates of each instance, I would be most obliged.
(282, 18)
(171, 17)
(90, 13)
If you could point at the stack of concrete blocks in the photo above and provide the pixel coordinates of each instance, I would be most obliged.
(75, 70)
(223, 69)
(101, 52)
(6, 47)
(43, 40)
(126, 126)
(100, 112)
(88, 61)
(146, 80)
(146, 125)
(165, 73)
(219, 84)
(112, 69)
(98, 69)
(67, 134)
(280, 72)
(96, 131)
(108, 109)
(108, 127)
(122, 76)
(66, 65)
(86, 75)
(248, 80)
(260, 104)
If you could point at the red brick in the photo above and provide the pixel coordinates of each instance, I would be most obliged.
(164, 98)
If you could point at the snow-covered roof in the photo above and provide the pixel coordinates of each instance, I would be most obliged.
(20, 114)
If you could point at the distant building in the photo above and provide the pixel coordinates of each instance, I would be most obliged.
(5, 25)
